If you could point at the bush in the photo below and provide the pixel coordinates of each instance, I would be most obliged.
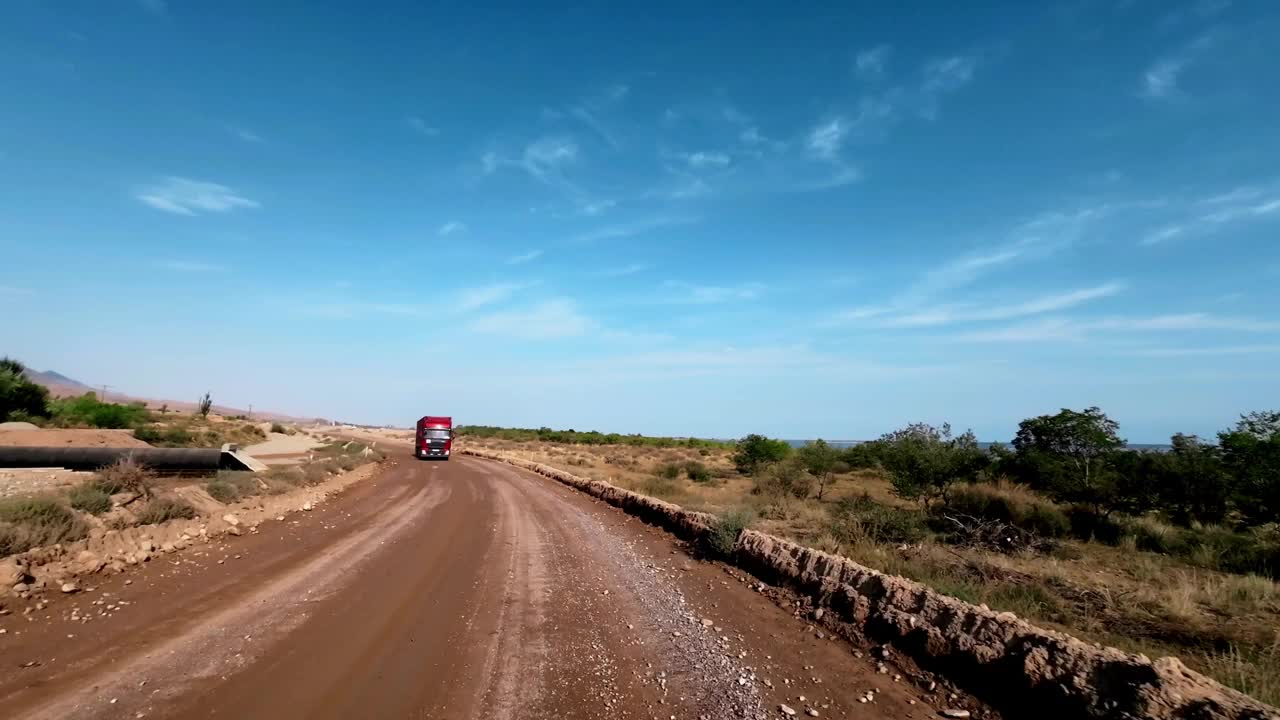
(222, 491)
(125, 475)
(164, 509)
(277, 428)
(669, 471)
(697, 472)
(20, 398)
(781, 479)
(35, 521)
(923, 461)
(90, 498)
(659, 487)
(989, 502)
(754, 452)
(161, 436)
(89, 410)
(858, 517)
(725, 531)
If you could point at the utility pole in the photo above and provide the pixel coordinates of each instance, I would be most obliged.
(103, 397)
(250, 411)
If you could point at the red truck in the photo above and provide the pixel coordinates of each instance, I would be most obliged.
(434, 438)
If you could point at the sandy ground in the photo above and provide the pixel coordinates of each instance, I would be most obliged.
(33, 481)
(282, 444)
(69, 438)
(460, 589)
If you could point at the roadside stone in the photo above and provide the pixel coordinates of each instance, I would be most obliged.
(11, 572)
(235, 530)
(811, 712)
(786, 710)
(231, 520)
(817, 614)
(147, 546)
(21, 587)
(168, 547)
(708, 622)
(953, 713)
(70, 587)
(307, 507)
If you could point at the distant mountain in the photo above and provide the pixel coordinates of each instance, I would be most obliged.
(60, 385)
(55, 380)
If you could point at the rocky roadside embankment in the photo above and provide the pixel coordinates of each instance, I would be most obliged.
(1014, 665)
(62, 567)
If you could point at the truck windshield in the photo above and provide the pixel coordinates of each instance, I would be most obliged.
(434, 434)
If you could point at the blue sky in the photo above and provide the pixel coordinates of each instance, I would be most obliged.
(798, 220)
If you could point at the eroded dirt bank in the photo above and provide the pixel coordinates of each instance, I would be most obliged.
(466, 589)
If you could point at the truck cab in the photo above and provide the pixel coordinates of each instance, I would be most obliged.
(433, 438)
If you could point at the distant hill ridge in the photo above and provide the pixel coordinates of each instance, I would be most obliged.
(60, 385)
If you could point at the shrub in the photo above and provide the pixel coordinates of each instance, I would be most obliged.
(89, 410)
(923, 461)
(781, 479)
(161, 436)
(20, 398)
(222, 491)
(669, 471)
(725, 531)
(277, 428)
(90, 498)
(125, 475)
(162, 510)
(859, 517)
(1017, 508)
(659, 487)
(697, 472)
(35, 521)
(756, 451)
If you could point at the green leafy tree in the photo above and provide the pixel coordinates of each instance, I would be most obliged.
(1251, 452)
(755, 451)
(923, 461)
(784, 478)
(819, 460)
(19, 396)
(1067, 455)
(1192, 482)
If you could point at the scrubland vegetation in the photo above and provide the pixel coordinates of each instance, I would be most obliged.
(1173, 552)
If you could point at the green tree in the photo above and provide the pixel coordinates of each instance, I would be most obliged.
(1066, 455)
(755, 451)
(1251, 452)
(19, 396)
(786, 477)
(1192, 482)
(923, 461)
(819, 459)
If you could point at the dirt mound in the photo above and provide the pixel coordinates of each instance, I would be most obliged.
(69, 438)
(17, 426)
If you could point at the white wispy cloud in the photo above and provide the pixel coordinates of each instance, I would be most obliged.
(1161, 79)
(478, 297)
(422, 126)
(622, 230)
(247, 135)
(1205, 351)
(622, 270)
(192, 266)
(525, 257)
(588, 118)
(826, 140)
(872, 61)
(184, 196)
(545, 157)
(681, 293)
(1167, 232)
(958, 313)
(943, 77)
(1065, 329)
(451, 227)
(701, 160)
(548, 320)
(596, 207)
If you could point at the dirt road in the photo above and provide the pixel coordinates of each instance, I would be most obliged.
(466, 589)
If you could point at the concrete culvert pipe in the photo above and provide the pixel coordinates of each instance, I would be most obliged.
(158, 459)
